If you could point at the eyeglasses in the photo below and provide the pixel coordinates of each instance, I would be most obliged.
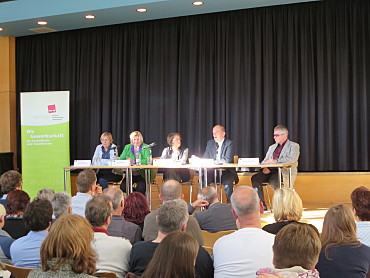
(178, 139)
(277, 135)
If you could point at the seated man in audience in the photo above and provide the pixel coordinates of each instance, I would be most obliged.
(218, 216)
(241, 253)
(62, 204)
(119, 226)
(5, 239)
(171, 216)
(46, 193)
(172, 190)
(296, 248)
(86, 187)
(113, 252)
(25, 251)
(9, 181)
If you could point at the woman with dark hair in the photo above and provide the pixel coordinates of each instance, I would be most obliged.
(177, 154)
(174, 257)
(64, 256)
(16, 203)
(342, 254)
(136, 208)
(360, 198)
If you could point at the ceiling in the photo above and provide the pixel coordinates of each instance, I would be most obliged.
(17, 17)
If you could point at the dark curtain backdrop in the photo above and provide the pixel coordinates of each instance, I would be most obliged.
(303, 65)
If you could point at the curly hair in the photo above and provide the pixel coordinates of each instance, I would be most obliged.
(62, 246)
(17, 201)
(360, 198)
(38, 215)
(9, 181)
(136, 208)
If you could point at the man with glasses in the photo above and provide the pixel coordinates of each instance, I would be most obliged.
(283, 151)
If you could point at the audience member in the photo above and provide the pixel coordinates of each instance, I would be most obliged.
(218, 216)
(113, 252)
(172, 216)
(119, 226)
(174, 257)
(5, 239)
(9, 181)
(342, 254)
(241, 253)
(86, 187)
(170, 190)
(288, 209)
(136, 208)
(25, 251)
(62, 204)
(361, 207)
(64, 256)
(46, 194)
(17, 201)
(296, 252)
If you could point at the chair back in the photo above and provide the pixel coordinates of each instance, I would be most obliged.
(106, 274)
(210, 238)
(18, 272)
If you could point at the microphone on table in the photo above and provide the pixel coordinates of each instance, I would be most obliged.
(149, 146)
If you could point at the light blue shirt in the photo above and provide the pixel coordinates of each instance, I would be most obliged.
(79, 203)
(363, 232)
(25, 251)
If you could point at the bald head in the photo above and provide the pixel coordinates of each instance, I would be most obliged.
(171, 190)
(218, 133)
(245, 201)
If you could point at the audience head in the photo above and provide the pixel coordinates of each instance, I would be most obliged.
(297, 244)
(136, 138)
(38, 215)
(171, 190)
(166, 262)
(116, 195)
(136, 207)
(62, 204)
(245, 201)
(172, 216)
(46, 194)
(98, 211)
(360, 198)
(61, 245)
(16, 202)
(287, 205)
(2, 216)
(10, 180)
(218, 133)
(208, 194)
(339, 227)
(86, 180)
(174, 139)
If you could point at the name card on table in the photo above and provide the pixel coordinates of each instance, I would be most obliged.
(163, 162)
(249, 161)
(123, 163)
(82, 163)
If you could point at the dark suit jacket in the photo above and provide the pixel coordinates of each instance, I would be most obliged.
(227, 154)
(217, 217)
(119, 227)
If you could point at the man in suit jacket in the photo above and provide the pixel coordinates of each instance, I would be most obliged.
(283, 151)
(222, 151)
(218, 216)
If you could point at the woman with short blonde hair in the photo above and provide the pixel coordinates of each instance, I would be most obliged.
(287, 207)
(342, 254)
(67, 250)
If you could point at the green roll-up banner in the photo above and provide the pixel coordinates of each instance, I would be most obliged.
(45, 140)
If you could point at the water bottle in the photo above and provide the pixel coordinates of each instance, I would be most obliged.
(116, 154)
(150, 158)
(138, 157)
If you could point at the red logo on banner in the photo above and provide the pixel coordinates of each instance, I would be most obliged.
(52, 108)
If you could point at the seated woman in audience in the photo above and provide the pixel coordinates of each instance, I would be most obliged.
(46, 193)
(174, 257)
(178, 154)
(287, 207)
(137, 156)
(103, 153)
(16, 204)
(135, 209)
(342, 254)
(296, 251)
(360, 198)
(9, 181)
(67, 251)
